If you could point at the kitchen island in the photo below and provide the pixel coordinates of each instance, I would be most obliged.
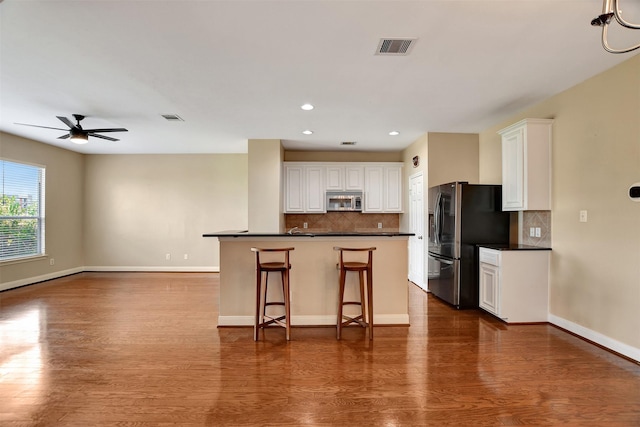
(314, 275)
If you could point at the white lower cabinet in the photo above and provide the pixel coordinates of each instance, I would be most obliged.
(514, 284)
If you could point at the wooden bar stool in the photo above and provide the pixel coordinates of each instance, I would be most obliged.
(262, 271)
(365, 319)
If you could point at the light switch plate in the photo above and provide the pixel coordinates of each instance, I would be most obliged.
(532, 232)
(537, 231)
(583, 216)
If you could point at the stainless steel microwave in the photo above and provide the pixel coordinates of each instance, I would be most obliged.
(344, 201)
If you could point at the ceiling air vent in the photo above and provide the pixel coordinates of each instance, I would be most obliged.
(172, 117)
(395, 46)
(348, 143)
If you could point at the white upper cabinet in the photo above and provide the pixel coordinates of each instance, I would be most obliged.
(353, 178)
(304, 188)
(383, 188)
(306, 184)
(393, 188)
(335, 178)
(373, 189)
(344, 178)
(294, 188)
(526, 165)
(315, 189)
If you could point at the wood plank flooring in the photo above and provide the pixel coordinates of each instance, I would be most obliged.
(143, 349)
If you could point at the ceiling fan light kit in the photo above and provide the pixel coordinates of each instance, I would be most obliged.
(77, 134)
(78, 137)
(610, 10)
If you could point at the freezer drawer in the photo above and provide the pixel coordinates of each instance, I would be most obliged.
(444, 278)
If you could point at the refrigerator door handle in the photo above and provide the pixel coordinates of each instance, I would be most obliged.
(436, 224)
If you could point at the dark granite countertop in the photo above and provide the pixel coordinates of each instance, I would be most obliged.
(499, 247)
(244, 233)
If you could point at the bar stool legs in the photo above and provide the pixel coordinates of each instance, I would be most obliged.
(263, 269)
(365, 319)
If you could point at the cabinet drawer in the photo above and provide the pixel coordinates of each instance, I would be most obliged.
(490, 256)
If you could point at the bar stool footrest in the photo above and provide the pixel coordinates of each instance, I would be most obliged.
(358, 319)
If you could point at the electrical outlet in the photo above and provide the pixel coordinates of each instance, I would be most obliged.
(379, 225)
(167, 257)
(583, 216)
(186, 256)
(52, 261)
(532, 232)
(538, 232)
(305, 225)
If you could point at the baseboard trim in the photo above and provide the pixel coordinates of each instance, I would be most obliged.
(37, 279)
(159, 269)
(317, 320)
(57, 274)
(596, 337)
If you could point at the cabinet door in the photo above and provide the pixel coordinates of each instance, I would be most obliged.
(513, 185)
(315, 189)
(335, 178)
(393, 189)
(373, 189)
(294, 189)
(490, 288)
(353, 178)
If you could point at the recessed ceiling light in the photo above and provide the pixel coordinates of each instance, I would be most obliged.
(307, 132)
(307, 107)
(394, 133)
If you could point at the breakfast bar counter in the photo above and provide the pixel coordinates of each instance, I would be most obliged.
(314, 275)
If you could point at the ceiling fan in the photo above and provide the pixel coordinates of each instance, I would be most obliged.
(76, 133)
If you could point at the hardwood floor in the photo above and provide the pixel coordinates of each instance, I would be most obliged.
(143, 349)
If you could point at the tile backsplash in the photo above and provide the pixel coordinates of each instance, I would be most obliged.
(535, 219)
(344, 221)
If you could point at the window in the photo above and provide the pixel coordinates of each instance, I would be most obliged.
(21, 210)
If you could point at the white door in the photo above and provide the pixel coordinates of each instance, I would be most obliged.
(416, 224)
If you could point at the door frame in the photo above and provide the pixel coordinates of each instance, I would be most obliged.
(413, 240)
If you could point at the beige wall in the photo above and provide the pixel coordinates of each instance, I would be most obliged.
(444, 157)
(141, 207)
(265, 184)
(64, 209)
(417, 148)
(595, 267)
(453, 157)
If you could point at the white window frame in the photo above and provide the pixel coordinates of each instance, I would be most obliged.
(5, 190)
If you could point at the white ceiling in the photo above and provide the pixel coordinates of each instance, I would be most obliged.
(237, 70)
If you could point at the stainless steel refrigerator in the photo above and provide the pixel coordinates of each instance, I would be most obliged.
(461, 216)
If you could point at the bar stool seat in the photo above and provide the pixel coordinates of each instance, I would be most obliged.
(365, 319)
(263, 268)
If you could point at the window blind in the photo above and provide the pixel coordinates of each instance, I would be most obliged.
(21, 210)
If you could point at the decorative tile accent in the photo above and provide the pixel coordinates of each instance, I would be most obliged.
(535, 219)
(344, 221)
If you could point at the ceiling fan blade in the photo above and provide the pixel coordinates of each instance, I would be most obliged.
(37, 126)
(66, 122)
(107, 130)
(64, 136)
(103, 137)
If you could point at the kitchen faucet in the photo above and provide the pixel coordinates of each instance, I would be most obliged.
(293, 230)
